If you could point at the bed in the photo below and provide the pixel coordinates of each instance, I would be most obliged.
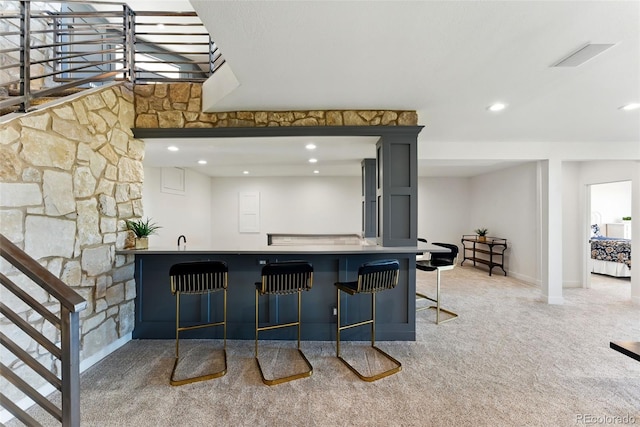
(610, 256)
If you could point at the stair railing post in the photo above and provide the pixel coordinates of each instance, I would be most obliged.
(70, 346)
(25, 55)
(56, 64)
(131, 43)
(129, 46)
(211, 56)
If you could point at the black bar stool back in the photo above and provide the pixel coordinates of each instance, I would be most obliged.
(373, 277)
(284, 278)
(197, 278)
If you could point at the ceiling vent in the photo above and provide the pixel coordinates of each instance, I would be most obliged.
(582, 55)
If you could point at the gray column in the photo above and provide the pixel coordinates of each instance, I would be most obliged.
(397, 190)
(369, 198)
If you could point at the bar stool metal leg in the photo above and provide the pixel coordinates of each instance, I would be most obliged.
(208, 277)
(438, 263)
(437, 307)
(179, 329)
(352, 288)
(299, 278)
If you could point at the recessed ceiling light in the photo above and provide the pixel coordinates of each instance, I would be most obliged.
(313, 160)
(631, 106)
(172, 148)
(316, 171)
(310, 146)
(498, 106)
(160, 26)
(202, 162)
(245, 172)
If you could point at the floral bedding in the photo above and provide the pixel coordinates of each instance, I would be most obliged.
(614, 250)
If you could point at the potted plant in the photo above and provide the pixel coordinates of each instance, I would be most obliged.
(142, 229)
(626, 218)
(482, 234)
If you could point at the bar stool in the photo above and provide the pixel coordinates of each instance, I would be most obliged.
(439, 262)
(372, 277)
(197, 278)
(284, 278)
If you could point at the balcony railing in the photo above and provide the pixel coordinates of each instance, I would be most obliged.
(64, 374)
(50, 47)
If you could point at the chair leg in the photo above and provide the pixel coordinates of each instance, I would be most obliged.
(172, 380)
(287, 378)
(372, 321)
(437, 301)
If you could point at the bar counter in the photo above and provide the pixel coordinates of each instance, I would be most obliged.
(155, 305)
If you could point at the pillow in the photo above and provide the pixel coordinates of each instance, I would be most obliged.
(595, 230)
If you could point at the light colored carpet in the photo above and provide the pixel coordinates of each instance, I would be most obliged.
(508, 360)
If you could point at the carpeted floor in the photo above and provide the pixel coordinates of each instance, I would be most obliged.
(508, 360)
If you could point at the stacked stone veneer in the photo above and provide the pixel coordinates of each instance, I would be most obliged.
(69, 177)
(70, 174)
(179, 105)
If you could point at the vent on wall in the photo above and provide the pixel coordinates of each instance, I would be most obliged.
(582, 55)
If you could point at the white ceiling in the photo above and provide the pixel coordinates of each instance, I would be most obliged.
(446, 59)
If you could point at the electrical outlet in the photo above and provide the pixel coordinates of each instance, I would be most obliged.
(262, 262)
(335, 311)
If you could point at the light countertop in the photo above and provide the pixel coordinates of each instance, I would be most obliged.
(366, 248)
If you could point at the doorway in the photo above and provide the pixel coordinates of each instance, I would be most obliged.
(610, 233)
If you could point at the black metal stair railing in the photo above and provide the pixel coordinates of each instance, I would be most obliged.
(51, 47)
(66, 353)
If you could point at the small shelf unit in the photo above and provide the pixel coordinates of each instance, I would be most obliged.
(489, 252)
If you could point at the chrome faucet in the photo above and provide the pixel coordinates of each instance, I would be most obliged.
(184, 238)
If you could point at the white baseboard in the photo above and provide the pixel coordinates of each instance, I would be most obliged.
(553, 300)
(525, 279)
(572, 284)
(104, 352)
(25, 403)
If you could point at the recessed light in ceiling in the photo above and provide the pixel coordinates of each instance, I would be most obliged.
(631, 106)
(583, 54)
(245, 172)
(172, 148)
(313, 160)
(316, 171)
(498, 106)
(310, 146)
(202, 162)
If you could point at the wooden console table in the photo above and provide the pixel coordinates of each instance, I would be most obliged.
(476, 250)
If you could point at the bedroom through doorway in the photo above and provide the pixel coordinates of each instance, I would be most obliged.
(610, 234)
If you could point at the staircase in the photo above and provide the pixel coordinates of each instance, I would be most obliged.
(49, 49)
(63, 374)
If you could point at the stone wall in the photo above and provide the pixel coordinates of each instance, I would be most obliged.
(179, 105)
(70, 175)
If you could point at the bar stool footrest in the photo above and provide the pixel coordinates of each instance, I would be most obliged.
(423, 296)
(377, 376)
(210, 376)
(276, 381)
(435, 307)
(444, 310)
